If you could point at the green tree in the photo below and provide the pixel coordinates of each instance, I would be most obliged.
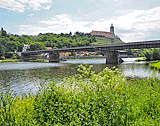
(11, 46)
(2, 50)
(37, 46)
(4, 33)
(148, 54)
(156, 54)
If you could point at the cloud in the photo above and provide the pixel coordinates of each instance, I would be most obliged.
(35, 5)
(31, 29)
(58, 24)
(22, 5)
(12, 5)
(141, 23)
(30, 15)
(23, 1)
(136, 25)
(47, 7)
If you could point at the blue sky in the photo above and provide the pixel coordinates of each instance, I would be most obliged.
(134, 20)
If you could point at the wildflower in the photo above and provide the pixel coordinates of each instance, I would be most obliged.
(80, 115)
(61, 94)
(2, 83)
(113, 86)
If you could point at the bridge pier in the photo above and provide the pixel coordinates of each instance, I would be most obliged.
(54, 57)
(111, 57)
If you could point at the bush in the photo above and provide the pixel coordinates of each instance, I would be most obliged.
(2, 58)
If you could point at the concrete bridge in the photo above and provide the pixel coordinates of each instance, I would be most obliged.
(111, 50)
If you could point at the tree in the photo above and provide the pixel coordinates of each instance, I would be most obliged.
(156, 54)
(129, 52)
(70, 33)
(11, 46)
(2, 50)
(4, 33)
(148, 55)
(37, 46)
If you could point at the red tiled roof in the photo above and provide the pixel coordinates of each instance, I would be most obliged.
(48, 48)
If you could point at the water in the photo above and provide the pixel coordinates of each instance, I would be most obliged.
(26, 76)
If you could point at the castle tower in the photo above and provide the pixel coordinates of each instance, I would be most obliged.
(112, 29)
(112, 32)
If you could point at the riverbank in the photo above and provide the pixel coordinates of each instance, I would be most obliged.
(86, 99)
(20, 60)
(83, 57)
(62, 58)
(11, 60)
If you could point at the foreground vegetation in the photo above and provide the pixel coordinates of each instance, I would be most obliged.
(106, 98)
(155, 65)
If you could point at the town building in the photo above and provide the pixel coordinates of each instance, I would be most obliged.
(110, 34)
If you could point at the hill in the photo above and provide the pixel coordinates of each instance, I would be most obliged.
(14, 43)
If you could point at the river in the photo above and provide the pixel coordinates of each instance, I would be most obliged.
(26, 76)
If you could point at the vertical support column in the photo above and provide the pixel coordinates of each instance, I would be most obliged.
(111, 57)
(54, 57)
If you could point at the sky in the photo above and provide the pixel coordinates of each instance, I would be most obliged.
(133, 20)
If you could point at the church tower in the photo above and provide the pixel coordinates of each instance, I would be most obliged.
(112, 29)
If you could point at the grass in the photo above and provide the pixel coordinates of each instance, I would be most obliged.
(37, 60)
(12, 60)
(19, 60)
(138, 60)
(106, 98)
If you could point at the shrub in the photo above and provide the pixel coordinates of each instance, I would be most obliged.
(2, 58)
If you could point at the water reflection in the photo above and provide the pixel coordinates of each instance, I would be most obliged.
(25, 76)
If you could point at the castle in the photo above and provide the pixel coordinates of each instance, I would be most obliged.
(110, 34)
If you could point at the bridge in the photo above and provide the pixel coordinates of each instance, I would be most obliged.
(111, 53)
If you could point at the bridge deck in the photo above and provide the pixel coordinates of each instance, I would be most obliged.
(118, 46)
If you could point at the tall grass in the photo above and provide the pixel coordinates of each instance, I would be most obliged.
(106, 98)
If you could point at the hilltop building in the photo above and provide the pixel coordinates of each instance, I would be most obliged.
(110, 34)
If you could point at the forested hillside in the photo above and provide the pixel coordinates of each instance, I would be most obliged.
(8, 45)
(11, 43)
